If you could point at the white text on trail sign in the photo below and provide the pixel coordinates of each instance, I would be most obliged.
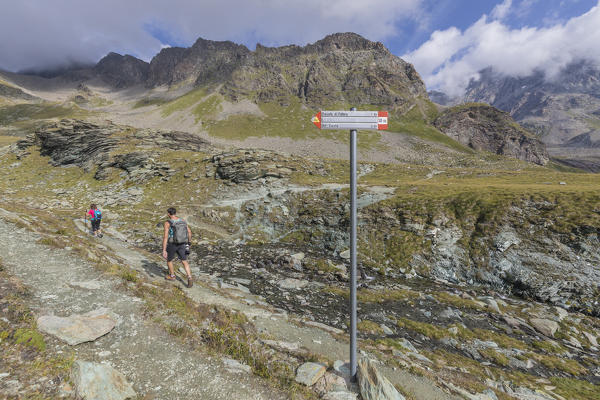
(375, 120)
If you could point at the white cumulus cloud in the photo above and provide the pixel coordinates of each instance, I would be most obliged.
(501, 10)
(450, 58)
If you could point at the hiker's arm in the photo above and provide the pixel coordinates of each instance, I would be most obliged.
(165, 239)
(189, 235)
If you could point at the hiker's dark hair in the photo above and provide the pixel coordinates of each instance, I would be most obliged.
(171, 211)
(92, 206)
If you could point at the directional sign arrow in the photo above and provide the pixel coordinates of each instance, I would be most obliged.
(317, 120)
(373, 120)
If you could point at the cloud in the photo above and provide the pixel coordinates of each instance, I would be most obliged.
(501, 10)
(450, 58)
(39, 33)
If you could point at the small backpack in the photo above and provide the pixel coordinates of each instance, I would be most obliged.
(97, 215)
(179, 232)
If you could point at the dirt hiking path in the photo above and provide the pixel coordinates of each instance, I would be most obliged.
(153, 362)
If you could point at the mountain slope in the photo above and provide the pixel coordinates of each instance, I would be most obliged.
(224, 91)
(558, 108)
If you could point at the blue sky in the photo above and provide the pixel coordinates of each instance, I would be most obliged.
(448, 41)
(443, 14)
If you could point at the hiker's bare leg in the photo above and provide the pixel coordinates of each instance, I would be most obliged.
(171, 270)
(186, 265)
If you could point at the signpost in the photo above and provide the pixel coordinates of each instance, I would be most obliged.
(353, 120)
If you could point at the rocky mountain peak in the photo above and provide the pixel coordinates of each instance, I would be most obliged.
(212, 45)
(122, 71)
(342, 67)
(348, 41)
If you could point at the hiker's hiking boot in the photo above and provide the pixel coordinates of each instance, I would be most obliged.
(190, 282)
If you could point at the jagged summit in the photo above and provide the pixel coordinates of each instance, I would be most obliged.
(343, 67)
(122, 71)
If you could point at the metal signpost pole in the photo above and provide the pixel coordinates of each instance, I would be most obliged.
(353, 252)
(353, 120)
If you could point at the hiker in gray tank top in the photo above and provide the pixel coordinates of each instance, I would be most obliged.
(177, 238)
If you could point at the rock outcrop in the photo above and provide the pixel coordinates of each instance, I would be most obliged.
(483, 127)
(87, 145)
(72, 142)
(248, 165)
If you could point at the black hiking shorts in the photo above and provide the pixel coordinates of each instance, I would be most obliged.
(178, 249)
(96, 225)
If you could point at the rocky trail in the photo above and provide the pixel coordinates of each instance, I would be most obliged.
(63, 284)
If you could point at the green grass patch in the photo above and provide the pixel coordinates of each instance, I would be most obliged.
(183, 102)
(23, 112)
(576, 389)
(424, 328)
(559, 363)
(415, 122)
(549, 347)
(494, 356)
(207, 109)
(7, 140)
(30, 337)
(367, 326)
(290, 121)
(149, 101)
(457, 301)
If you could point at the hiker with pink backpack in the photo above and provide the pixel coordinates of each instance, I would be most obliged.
(95, 217)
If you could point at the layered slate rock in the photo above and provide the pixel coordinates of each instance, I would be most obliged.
(72, 142)
(78, 328)
(486, 128)
(373, 385)
(246, 165)
(95, 381)
(87, 145)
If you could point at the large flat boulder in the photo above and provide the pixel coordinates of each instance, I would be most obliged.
(78, 328)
